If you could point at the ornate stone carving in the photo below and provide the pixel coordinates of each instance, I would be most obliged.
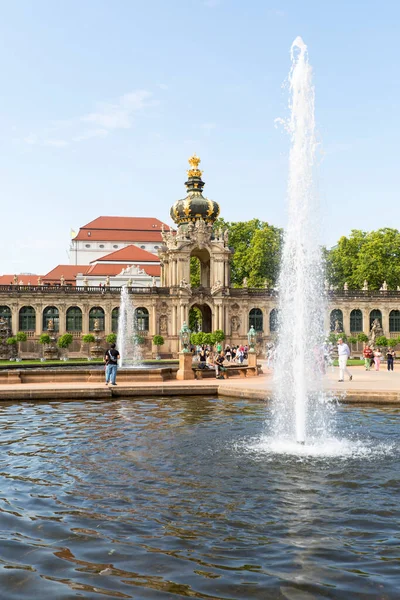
(163, 325)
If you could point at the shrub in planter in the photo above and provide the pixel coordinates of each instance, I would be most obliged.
(88, 338)
(64, 342)
(111, 338)
(158, 341)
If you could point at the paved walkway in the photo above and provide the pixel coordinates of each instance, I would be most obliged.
(368, 387)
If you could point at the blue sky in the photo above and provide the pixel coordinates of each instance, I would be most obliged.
(102, 103)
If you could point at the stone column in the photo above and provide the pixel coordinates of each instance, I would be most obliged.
(14, 319)
(385, 321)
(346, 320)
(107, 320)
(62, 315)
(174, 329)
(185, 370)
(365, 314)
(153, 324)
(85, 319)
(39, 319)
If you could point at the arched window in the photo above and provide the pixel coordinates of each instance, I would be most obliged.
(96, 317)
(336, 315)
(114, 319)
(142, 319)
(5, 313)
(74, 319)
(394, 320)
(375, 314)
(356, 321)
(273, 320)
(256, 319)
(51, 313)
(27, 319)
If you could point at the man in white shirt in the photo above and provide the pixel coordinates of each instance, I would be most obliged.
(344, 353)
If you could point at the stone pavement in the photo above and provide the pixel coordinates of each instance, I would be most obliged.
(367, 387)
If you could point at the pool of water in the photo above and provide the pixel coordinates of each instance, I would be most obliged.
(186, 498)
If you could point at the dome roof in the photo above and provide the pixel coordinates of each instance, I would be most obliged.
(195, 206)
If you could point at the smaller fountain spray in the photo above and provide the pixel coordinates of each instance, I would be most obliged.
(129, 349)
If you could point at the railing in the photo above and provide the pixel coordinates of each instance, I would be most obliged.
(50, 289)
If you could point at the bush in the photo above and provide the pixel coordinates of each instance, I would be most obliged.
(352, 339)
(139, 339)
(11, 341)
(362, 337)
(158, 340)
(382, 341)
(65, 340)
(88, 338)
(21, 336)
(111, 338)
(219, 335)
(333, 337)
(45, 339)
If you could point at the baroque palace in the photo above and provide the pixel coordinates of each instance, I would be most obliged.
(79, 299)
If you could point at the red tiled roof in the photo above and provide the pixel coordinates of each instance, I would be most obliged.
(25, 279)
(69, 273)
(139, 229)
(104, 269)
(131, 254)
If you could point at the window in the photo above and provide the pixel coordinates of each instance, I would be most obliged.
(96, 314)
(256, 319)
(336, 315)
(143, 247)
(156, 247)
(114, 319)
(375, 314)
(5, 313)
(394, 320)
(356, 321)
(273, 320)
(115, 246)
(74, 319)
(27, 319)
(142, 319)
(87, 245)
(51, 313)
(101, 245)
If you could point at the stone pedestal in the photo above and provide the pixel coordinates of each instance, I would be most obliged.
(252, 359)
(185, 370)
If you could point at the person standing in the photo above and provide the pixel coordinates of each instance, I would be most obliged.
(390, 354)
(344, 353)
(368, 354)
(377, 358)
(111, 359)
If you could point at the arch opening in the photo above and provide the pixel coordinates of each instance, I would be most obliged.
(200, 267)
(200, 317)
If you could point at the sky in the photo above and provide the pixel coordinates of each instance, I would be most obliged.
(103, 102)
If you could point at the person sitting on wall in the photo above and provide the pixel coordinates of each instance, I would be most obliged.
(202, 358)
(219, 368)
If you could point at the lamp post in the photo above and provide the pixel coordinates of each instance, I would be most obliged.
(252, 355)
(251, 337)
(185, 370)
(184, 335)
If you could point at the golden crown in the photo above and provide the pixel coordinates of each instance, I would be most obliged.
(194, 161)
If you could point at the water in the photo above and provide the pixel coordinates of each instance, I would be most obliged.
(300, 406)
(129, 350)
(174, 498)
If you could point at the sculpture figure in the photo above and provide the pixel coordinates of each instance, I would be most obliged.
(244, 283)
(96, 325)
(384, 287)
(50, 325)
(365, 286)
(108, 281)
(338, 327)
(62, 280)
(346, 287)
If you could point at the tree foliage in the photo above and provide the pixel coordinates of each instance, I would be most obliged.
(111, 338)
(65, 340)
(372, 256)
(44, 339)
(158, 340)
(21, 336)
(257, 249)
(88, 338)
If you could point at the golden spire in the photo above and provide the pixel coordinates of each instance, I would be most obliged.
(194, 161)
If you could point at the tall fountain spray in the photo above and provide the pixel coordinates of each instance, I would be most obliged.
(129, 350)
(298, 372)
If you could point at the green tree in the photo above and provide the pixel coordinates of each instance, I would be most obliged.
(88, 338)
(362, 337)
(257, 249)
(111, 338)
(64, 341)
(382, 341)
(372, 256)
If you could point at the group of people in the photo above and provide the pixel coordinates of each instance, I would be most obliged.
(375, 357)
(371, 357)
(209, 360)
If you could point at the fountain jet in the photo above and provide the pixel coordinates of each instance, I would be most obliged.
(298, 372)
